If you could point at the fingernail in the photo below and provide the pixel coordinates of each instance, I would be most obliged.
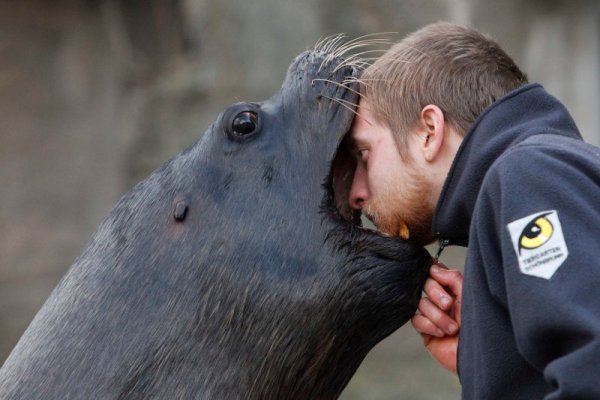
(452, 328)
(435, 269)
(445, 301)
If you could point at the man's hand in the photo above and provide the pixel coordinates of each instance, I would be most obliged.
(438, 319)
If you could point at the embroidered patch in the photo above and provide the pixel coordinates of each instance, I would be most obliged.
(539, 243)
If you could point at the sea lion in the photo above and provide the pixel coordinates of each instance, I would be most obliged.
(229, 273)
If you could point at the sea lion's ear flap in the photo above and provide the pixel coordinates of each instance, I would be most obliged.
(389, 276)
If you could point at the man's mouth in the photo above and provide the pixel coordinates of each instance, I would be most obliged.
(401, 230)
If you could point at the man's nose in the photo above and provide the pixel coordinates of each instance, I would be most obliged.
(359, 191)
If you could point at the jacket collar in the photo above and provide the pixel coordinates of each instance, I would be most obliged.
(526, 111)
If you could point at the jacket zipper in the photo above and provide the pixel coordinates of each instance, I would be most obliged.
(442, 243)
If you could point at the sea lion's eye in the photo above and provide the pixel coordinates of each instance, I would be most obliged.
(244, 123)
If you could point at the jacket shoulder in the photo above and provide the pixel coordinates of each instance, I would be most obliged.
(546, 153)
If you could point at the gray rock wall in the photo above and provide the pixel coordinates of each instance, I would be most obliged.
(95, 94)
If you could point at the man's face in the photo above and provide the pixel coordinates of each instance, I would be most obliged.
(389, 189)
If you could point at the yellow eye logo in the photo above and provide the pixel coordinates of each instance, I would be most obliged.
(536, 233)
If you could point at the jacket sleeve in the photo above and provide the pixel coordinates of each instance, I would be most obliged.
(539, 234)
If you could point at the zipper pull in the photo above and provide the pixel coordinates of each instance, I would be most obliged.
(442, 243)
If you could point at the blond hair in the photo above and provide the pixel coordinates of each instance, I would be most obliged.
(453, 67)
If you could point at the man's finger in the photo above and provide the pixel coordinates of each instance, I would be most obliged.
(425, 327)
(450, 278)
(437, 294)
(438, 317)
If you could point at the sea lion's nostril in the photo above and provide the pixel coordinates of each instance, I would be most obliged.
(349, 71)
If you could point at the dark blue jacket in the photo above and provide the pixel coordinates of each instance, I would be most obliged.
(524, 194)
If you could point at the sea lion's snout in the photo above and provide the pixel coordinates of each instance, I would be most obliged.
(382, 277)
(326, 87)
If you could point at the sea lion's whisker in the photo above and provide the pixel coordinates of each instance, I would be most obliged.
(340, 49)
(360, 54)
(357, 60)
(372, 79)
(339, 84)
(363, 82)
(349, 103)
(333, 47)
(360, 65)
(324, 41)
(352, 60)
(318, 47)
(355, 63)
(369, 58)
(330, 48)
(329, 44)
(370, 35)
(360, 81)
(334, 43)
(341, 103)
(363, 62)
(346, 48)
(373, 36)
(346, 103)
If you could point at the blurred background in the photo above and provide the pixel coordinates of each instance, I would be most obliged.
(94, 94)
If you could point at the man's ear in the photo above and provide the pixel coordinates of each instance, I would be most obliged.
(433, 128)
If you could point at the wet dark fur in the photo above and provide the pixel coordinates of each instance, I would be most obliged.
(228, 273)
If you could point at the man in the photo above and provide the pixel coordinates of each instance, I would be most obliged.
(452, 144)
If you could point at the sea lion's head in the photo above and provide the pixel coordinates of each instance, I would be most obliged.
(307, 290)
(235, 270)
